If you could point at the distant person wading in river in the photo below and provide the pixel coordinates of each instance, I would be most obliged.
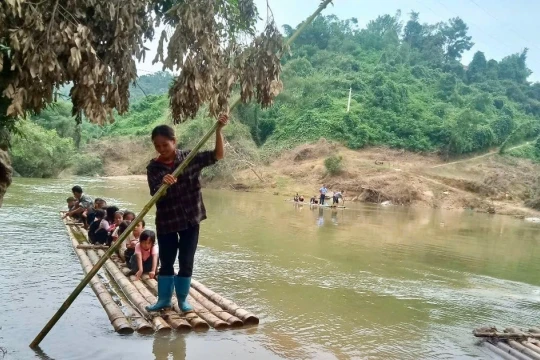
(178, 212)
(323, 192)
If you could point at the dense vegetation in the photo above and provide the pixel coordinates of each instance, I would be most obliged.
(409, 90)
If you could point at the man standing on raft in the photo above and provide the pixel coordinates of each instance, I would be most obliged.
(178, 212)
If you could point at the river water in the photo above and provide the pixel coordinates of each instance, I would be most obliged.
(363, 282)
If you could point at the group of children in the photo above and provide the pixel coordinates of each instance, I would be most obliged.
(105, 224)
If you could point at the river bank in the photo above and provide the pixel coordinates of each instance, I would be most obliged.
(492, 184)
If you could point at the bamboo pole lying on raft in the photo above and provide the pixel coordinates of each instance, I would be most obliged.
(232, 320)
(92, 247)
(501, 335)
(172, 317)
(161, 191)
(247, 317)
(194, 320)
(159, 324)
(116, 316)
(138, 322)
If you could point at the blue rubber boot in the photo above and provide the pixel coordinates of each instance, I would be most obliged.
(165, 290)
(181, 285)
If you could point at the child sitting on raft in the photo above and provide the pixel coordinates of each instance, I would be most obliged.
(314, 200)
(129, 216)
(145, 259)
(99, 215)
(132, 241)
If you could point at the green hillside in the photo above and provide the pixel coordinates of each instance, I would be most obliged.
(409, 90)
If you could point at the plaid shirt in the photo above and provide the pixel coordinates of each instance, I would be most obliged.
(182, 205)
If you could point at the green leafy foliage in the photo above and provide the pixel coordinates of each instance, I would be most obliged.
(87, 165)
(39, 152)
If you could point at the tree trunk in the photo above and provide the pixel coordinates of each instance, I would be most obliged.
(6, 173)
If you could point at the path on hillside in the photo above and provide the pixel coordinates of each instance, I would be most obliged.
(477, 157)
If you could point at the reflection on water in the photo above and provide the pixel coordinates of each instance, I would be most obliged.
(361, 282)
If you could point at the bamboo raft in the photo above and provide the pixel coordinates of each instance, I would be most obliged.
(124, 298)
(512, 343)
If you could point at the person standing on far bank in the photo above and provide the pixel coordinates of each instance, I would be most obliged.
(323, 192)
(179, 212)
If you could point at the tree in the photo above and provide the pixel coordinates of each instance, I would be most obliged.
(414, 31)
(382, 32)
(456, 40)
(514, 67)
(477, 68)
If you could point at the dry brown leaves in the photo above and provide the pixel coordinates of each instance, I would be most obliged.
(210, 69)
(94, 44)
(91, 43)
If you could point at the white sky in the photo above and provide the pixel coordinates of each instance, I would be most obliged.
(498, 28)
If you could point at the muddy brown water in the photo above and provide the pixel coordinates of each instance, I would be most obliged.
(366, 282)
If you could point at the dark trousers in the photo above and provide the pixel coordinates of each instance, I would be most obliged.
(321, 200)
(183, 243)
(147, 264)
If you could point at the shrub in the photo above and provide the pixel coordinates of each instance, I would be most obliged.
(334, 164)
(39, 152)
(88, 165)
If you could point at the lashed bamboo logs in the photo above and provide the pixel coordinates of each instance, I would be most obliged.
(206, 315)
(247, 317)
(515, 353)
(170, 316)
(232, 320)
(524, 346)
(137, 321)
(159, 324)
(116, 316)
(503, 354)
(194, 320)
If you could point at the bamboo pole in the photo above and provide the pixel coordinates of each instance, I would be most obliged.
(67, 303)
(501, 335)
(247, 317)
(92, 247)
(194, 320)
(231, 320)
(159, 324)
(116, 316)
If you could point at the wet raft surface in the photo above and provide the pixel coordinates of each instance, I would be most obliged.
(511, 343)
(124, 298)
